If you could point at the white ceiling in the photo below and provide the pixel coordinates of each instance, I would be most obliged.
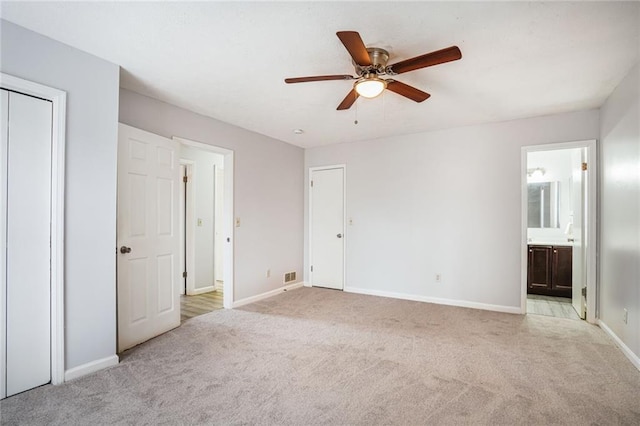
(229, 60)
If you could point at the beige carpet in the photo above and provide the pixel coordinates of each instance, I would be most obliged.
(313, 356)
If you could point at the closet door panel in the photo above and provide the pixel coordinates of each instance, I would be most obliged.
(28, 329)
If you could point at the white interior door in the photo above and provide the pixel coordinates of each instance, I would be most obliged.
(327, 227)
(148, 236)
(26, 252)
(578, 194)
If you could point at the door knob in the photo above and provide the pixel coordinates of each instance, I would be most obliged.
(125, 249)
(339, 235)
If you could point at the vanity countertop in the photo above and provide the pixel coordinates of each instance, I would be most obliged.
(550, 243)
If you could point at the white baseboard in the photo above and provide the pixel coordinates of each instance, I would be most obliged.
(266, 295)
(306, 284)
(201, 290)
(90, 367)
(635, 360)
(438, 301)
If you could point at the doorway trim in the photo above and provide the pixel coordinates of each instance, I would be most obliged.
(591, 252)
(228, 215)
(188, 231)
(344, 219)
(58, 99)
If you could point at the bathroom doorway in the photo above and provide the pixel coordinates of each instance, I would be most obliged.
(558, 206)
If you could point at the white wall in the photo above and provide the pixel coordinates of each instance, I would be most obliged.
(620, 211)
(204, 191)
(445, 202)
(268, 189)
(90, 188)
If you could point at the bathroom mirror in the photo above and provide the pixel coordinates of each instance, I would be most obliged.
(543, 204)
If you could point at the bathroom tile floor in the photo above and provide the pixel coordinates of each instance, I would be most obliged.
(551, 306)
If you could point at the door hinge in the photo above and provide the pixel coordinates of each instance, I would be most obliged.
(584, 292)
(184, 274)
(584, 167)
(185, 179)
(312, 184)
(311, 268)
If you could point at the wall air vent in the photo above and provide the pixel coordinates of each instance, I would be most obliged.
(289, 277)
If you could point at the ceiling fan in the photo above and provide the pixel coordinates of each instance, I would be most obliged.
(371, 63)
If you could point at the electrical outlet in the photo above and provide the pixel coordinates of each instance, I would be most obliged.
(268, 274)
(625, 316)
(438, 278)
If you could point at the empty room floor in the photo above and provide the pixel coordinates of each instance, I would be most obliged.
(314, 356)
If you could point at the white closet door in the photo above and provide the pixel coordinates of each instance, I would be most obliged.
(4, 135)
(327, 228)
(28, 234)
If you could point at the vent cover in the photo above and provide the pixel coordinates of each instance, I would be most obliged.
(289, 277)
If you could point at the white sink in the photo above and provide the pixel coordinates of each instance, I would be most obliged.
(550, 243)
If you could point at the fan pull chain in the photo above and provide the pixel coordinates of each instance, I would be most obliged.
(356, 113)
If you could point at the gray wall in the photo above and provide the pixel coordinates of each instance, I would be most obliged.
(268, 192)
(90, 189)
(620, 211)
(445, 202)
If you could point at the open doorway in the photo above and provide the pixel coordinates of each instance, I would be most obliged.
(200, 217)
(204, 230)
(558, 203)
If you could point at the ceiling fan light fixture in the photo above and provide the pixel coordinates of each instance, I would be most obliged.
(370, 86)
(371, 62)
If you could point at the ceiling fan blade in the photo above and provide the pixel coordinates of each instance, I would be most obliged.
(434, 58)
(318, 78)
(355, 46)
(407, 91)
(348, 100)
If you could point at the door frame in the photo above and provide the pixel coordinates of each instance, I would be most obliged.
(228, 215)
(592, 237)
(344, 219)
(58, 99)
(187, 233)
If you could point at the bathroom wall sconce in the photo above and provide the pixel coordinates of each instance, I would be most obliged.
(536, 172)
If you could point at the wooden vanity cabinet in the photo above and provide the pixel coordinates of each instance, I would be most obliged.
(561, 267)
(539, 269)
(549, 270)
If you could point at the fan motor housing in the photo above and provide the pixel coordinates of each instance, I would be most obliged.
(379, 58)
